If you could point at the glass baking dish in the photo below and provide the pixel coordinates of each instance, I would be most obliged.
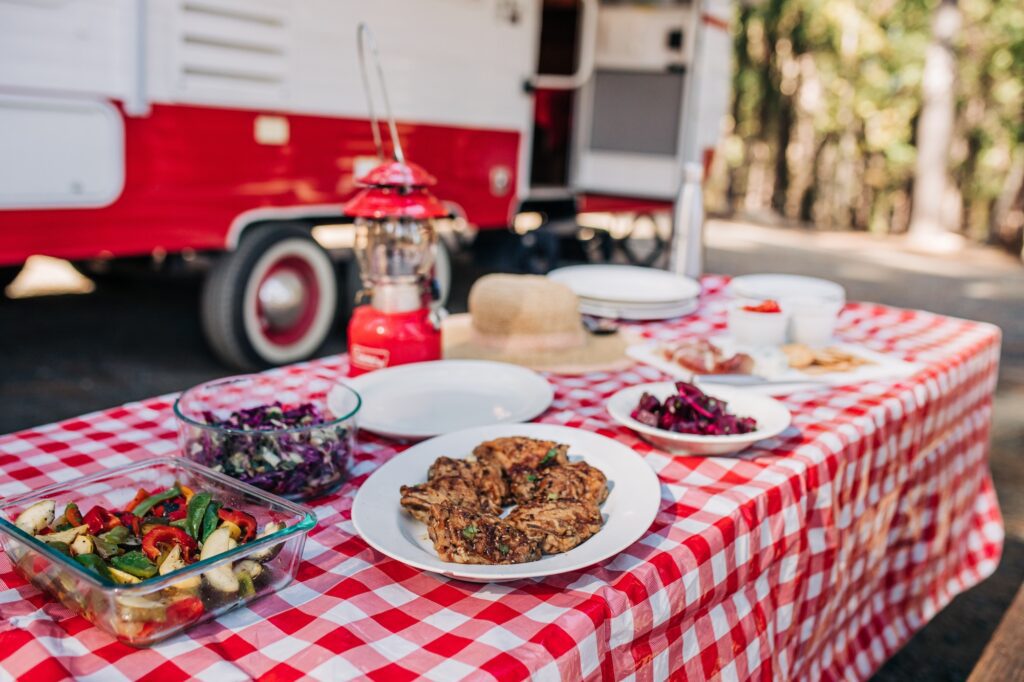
(162, 606)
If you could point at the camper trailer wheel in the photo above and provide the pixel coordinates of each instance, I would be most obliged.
(272, 300)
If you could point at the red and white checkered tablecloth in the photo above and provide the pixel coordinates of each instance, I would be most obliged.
(815, 555)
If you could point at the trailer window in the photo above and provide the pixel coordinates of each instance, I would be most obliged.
(636, 112)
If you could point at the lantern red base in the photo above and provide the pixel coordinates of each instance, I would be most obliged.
(377, 339)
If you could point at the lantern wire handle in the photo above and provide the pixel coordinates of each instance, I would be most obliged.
(364, 37)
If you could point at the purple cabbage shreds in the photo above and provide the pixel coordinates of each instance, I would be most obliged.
(298, 465)
(691, 411)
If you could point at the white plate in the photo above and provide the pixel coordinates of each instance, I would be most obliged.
(777, 377)
(629, 510)
(627, 284)
(426, 399)
(618, 311)
(778, 287)
(772, 419)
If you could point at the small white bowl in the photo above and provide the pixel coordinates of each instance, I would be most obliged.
(753, 329)
(812, 321)
(771, 416)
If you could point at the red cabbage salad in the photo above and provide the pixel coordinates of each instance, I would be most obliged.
(276, 449)
(691, 411)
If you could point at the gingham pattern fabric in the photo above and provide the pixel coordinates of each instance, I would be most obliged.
(815, 555)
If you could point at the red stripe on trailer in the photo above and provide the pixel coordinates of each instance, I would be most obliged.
(190, 171)
(606, 203)
(716, 22)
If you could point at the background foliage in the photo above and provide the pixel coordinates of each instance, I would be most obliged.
(826, 97)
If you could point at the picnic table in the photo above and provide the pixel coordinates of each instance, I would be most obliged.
(816, 554)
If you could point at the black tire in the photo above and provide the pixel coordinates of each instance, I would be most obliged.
(232, 316)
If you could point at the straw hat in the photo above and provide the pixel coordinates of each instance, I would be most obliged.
(531, 321)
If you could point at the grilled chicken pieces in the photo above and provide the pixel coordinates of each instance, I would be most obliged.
(508, 452)
(466, 537)
(461, 502)
(418, 499)
(576, 481)
(485, 476)
(558, 525)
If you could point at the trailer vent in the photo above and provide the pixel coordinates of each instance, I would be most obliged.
(234, 51)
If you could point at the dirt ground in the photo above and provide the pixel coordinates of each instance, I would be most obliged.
(64, 355)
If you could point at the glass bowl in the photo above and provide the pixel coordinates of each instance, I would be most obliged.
(159, 607)
(277, 451)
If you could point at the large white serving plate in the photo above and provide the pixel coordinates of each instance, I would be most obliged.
(772, 418)
(629, 510)
(773, 376)
(627, 284)
(779, 287)
(426, 399)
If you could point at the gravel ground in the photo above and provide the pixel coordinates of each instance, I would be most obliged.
(65, 355)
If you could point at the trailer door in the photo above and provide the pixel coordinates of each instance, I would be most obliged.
(655, 100)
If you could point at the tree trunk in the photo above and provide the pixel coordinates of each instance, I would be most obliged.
(929, 224)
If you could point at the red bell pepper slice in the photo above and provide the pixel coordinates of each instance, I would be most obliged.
(129, 520)
(184, 611)
(139, 497)
(168, 535)
(246, 522)
(171, 508)
(73, 515)
(99, 520)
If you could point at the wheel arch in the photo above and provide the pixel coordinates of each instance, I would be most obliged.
(306, 216)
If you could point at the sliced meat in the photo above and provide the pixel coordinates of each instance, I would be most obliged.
(557, 525)
(576, 481)
(485, 476)
(522, 483)
(418, 499)
(703, 357)
(513, 450)
(467, 537)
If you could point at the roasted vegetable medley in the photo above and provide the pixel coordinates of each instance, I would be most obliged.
(156, 534)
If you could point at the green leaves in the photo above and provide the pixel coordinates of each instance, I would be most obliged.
(827, 94)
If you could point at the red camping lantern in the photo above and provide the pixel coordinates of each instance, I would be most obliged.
(395, 240)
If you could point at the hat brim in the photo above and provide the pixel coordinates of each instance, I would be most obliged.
(606, 352)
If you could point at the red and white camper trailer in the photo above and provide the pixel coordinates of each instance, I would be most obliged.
(232, 128)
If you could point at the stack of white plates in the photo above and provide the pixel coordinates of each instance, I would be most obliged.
(627, 292)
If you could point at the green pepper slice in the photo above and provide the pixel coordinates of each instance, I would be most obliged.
(105, 548)
(134, 563)
(94, 564)
(210, 519)
(196, 511)
(154, 500)
(62, 547)
(115, 535)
